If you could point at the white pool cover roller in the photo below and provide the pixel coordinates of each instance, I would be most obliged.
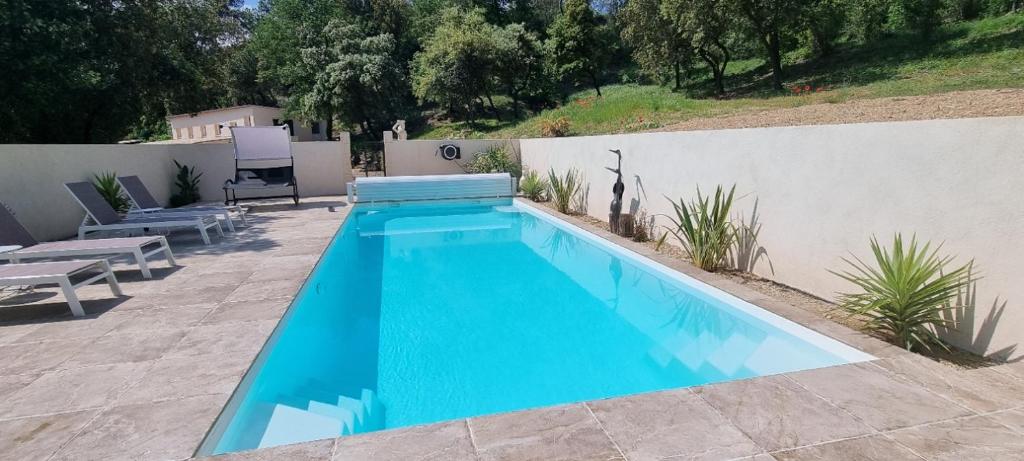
(434, 187)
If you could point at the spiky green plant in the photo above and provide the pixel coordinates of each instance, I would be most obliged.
(704, 229)
(495, 159)
(906, 296)
(563, 190)
(187, 182)
(533, 186)
(106, 184)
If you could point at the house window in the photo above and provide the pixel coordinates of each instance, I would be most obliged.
(252, 121)
(315, 127)
(277, 122)
(216, 129)
(202, 131)
(190, 134)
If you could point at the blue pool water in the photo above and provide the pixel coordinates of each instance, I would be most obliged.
(419, 313)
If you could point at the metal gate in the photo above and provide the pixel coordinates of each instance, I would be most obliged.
(368, 159)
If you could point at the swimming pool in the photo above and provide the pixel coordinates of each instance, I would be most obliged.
(425, 312)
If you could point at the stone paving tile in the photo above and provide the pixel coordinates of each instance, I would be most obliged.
(319, 450)
(873, 448)
(1014, 419)
(978, 437)
(1015, 369)
(777, 413)
(39, 437)
(441, 442)
(70, 390)
(126, 347)
(90, 326)
(165, 318)
(29, 358)
(242, 311)
(982, 390)
(181, 377)
(243, 337)
(11, 384)
(12, 332)
(675, 424)
(203, 280)
(272, 289)
(877, 397)
(566, 432)
(186, 297)
(163, 430)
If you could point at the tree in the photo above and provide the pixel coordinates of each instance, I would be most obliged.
(921, 16)
(455, 66)
(824, 20)
(356, 79)
(85, 71)
(659, 46)
(519, 64)
(712, 25)
(579, 45)
(767, 20)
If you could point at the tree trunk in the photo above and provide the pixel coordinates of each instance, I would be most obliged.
(679, 77)
(330, 127)
(773, 47)
(597, 86)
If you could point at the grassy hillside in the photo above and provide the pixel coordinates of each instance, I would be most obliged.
(983, 54)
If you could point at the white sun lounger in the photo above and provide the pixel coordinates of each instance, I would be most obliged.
(100, 216)
(13, 233)
(60, 272)
(143, 204)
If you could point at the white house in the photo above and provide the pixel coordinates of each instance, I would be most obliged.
(212, 125)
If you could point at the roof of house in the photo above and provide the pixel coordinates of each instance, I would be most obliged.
(222, 109)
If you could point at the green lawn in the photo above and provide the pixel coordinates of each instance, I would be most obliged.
(982, 54)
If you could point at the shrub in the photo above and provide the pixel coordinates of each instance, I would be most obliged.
(495, 159)
(106, 184)
(643, 226)
(187, 182)
(556, 128)
(564, 190)
(533, 186)
(907, 295)
(704, 229)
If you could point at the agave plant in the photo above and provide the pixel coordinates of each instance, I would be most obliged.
(533, 186)
(106, 184)
(187, 182)
(563, 190)
(704, 229)
(908, 294)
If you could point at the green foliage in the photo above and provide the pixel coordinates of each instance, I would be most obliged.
(907, 293)
(920, 16)
(106, 184)
(704, 229)
(355, 78)
(455, 66)
(85, 72)
(579, 45)
(519, 66)
(187, 183)
(565, 190)
(495, 159)
(533, 186)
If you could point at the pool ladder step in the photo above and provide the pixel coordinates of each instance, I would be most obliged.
(319, 420)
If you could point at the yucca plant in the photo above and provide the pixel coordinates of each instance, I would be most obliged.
(704, 229)
(187, 182)
(533, 186)
(907, 295)
(106, 184)
(563, 190)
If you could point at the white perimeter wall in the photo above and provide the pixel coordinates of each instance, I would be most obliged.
(421, 157)
(824, 190)
(32, 175)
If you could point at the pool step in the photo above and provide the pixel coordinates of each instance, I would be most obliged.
(362, 415)
(292, 425)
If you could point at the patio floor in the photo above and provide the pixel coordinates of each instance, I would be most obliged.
(145, 375)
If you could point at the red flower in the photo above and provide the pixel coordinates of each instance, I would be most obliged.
(807, 88)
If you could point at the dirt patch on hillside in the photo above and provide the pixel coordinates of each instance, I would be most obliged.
(957, 104)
